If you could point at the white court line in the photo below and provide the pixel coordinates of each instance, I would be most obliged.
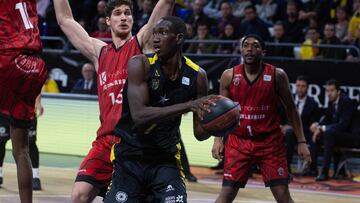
(291, 189)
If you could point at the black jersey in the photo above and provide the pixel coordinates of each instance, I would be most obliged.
(160, 138)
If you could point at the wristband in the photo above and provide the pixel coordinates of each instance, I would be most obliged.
(301, 142)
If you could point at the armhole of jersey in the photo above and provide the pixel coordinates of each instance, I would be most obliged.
(100, 54)
(275, 82)
(138, 43)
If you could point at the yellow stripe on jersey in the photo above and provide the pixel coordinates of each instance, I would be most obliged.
(153, 59)
(112, 153)
(191, 64)
(149, 129)
(178, 161)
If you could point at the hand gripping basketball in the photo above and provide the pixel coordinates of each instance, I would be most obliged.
(223, 118)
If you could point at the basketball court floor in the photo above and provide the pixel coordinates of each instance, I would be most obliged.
(57, 184)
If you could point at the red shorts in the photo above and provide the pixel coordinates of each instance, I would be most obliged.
(268, 152)
(21, 79)
(96, 167)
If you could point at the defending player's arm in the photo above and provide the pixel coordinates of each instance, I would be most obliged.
(88, 46)
(162, 8)
(291, 112)
(225, 81)
(202, 90)
(138, 96)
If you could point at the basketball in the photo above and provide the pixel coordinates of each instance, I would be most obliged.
(222, 118)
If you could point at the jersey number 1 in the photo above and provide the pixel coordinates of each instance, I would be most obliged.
(24, 14)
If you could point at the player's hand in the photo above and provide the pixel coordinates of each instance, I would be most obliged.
(39, 109)
(202, 105)
(304, 154)
(217, 150)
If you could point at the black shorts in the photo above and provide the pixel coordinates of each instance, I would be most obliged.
(5, 129)
(135, 181)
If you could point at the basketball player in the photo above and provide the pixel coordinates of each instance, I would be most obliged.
(161, 87)
(110, 62)
(22, 74)
(258, 87)
(33, 149)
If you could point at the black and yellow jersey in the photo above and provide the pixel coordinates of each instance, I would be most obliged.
(158, 139)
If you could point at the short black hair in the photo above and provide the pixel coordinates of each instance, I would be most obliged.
(334, 82)
(177, 24)
(257, 37)
(303, 78)
(250, 7)
(112, 4)
(279, 22)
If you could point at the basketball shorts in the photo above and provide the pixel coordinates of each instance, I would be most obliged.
(268, 152)
(96, 168)
(5, 130)
(21, 79)
(137, 180)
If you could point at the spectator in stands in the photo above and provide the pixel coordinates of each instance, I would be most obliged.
(212, 9)
(279, 37)
(313, 38)
(189, 35)
(239, 8)
(332, 127)
(266, 10)
(293, 25)
(354, 21)
(100, 13)
(252, 24)
(331, 39)
(228, 34)
(353, 55)
(86, 85)
(142, 17)
(102, 30)
(202, 34)
(198, 14)
(226, 17)
(308, 110)
(50, 86)
(342, 23)
(308, 9)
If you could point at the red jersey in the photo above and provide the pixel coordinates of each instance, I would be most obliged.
(19, 26)
(112, 75)
(258, 101)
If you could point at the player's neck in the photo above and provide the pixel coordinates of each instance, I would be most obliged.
(120, 41)
(253, 68)
(172, 66)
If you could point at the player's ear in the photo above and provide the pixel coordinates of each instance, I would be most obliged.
(180, 38)
(264, 52)
(108, 21)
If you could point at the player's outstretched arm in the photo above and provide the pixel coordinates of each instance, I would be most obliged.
(217, 150)
(88, 46)
(202, 91)
(283, 85)
(138, 97)
(162, 8)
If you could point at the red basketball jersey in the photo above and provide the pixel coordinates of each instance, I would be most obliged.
(19, 26)
(258, 101)
(112, 75)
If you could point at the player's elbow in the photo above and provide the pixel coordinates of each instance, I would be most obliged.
(138, 120)
(201, 135)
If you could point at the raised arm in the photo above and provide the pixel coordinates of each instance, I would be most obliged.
(282, 82)
(162, 8)
(88, 46)
(138, 96)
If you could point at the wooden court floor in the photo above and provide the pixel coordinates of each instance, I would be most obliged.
(57, 185)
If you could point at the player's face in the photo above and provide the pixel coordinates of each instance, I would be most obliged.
(165, 41)
(121, 21)
(332, 92)
(251, 51)
(301, 88)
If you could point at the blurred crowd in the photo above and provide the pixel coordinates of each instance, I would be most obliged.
(307, 22)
